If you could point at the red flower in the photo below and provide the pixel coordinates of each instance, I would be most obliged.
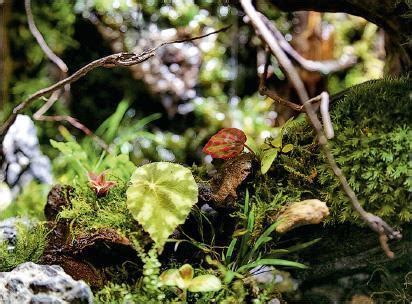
(99, 184)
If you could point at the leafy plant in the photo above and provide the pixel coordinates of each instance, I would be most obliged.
(184, 279)
(227, 143)
(160, 198)
(99, 184)
(241, 256)
(272, 147)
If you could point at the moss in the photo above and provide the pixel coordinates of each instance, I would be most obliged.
(371, 146)
(121, 293)
(29, 246)
(89, 212)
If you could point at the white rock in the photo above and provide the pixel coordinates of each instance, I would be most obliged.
(32, 283)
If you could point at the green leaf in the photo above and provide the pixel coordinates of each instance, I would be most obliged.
(186, 272)
(230, 249)
(74, 154)
(273, 262)
(205, 283)
(170, 277)
(264, 238)
(287, 148)
(268, 156)
(277, 141)
(160, 198)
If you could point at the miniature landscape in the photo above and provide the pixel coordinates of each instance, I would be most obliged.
(201, 152)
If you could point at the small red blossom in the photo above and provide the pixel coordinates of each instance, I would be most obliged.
(99, 184)
(227, 143)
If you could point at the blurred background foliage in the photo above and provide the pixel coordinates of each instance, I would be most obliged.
(167, 107)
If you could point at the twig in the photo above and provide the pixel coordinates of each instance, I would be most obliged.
(40, 40)
(264, 91)
(374, 222)
(118, 59)
(322, 98)
(325, 67)
(265, 34)
(39, 114)
(324, 112)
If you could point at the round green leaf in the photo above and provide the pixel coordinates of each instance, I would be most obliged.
(205, 283)
(160, 198)
(268, 156)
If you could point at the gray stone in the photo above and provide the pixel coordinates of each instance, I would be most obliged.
(8, 231)
(24, 161)
(33, 283)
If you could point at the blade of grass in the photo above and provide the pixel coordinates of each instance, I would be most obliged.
(273, 262)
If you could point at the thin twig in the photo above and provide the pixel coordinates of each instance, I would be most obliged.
(324, 112)
(325, 66)
(119, 59)
(265, 34)
(264, 91)
(374, 222)
(40, 40)
(40, 113)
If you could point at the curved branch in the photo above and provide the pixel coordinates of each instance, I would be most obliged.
(40, 40)
(325, 66)
(114, 60)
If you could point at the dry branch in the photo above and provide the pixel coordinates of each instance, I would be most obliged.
(114, 60)
(374, 222)
(325, 66)
(40, 40)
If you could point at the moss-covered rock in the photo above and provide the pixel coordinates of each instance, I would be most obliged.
(372, 147)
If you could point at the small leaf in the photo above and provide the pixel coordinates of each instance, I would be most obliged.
(99, 184)
(170, 277)
(268, 156)
(287, 148)
(205, 283)
(186, 272)
(226, 143)
(277, 142)
(239, 232)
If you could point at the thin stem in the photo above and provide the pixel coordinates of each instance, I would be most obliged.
(250, 149)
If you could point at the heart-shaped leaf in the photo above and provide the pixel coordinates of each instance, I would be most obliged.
(160, 198)
(226, 143)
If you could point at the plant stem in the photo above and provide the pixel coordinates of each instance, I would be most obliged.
(250, 149)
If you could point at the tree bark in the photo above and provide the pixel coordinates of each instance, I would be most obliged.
(390, 15)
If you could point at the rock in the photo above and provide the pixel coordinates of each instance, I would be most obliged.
(32, 283)
(23, 158)
(8, 231)
(297, 214)
(268, 275)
